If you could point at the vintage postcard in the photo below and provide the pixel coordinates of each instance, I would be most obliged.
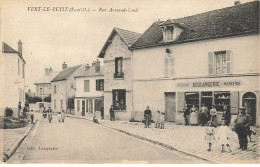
(129, 82)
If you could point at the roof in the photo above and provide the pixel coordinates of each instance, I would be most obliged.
(46, 79)
(63, 75)
(128, 37)
(91, 73)
(8, 49)
(236, 20)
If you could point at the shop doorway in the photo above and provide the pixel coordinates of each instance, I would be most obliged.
(249, 101)
(170, 106)
(207, 99)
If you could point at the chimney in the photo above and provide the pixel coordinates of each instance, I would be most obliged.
(46, 71)
(64, 66)
(50, 70)
(237, 3)
(93, 64)
(97, 67)
(20, 47)
(87, 67)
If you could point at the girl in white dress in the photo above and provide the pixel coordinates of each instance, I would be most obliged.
(223, 136)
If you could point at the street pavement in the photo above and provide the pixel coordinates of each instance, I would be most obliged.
(82, 141)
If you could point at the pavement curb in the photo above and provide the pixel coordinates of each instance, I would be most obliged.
(169, 147)
(12, 150)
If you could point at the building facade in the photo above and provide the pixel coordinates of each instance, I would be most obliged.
(118, 72)
(13, 77)
(201, 59)
(89, 97)
(63, 88)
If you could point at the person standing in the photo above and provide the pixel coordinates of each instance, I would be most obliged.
(226, 115)
(50, 115)
(112, 113)
(32, 116)
(59, 115)
(193, 115)
(209, 135)
(242, 123)
(223, 136)
(213, 114)
(147, 117)
(62, 115)
(203, 114)
(186, 115)
(157, 123)
(102, 112)
(19, 109)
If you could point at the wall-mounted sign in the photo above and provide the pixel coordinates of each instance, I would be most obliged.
(213, 84)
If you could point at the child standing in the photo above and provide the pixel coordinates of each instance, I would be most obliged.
(210, 135)
(222, 135)
(157, 123)
(161, 120)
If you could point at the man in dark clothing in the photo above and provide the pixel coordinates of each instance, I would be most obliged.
(186, 115)
(102, 112)
(112, 113)
(204, 115)
(242, 123)
(19, 109)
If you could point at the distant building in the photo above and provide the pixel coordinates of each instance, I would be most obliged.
(13, 77)
(118, 72)
(89, 95)
(210, 58)
(63, 88)
(43, 85)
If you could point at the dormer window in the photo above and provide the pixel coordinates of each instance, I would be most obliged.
(171, 30)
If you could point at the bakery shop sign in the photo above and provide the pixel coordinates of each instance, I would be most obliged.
(213, 84)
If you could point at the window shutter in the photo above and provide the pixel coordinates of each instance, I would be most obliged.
(228, 53)
(166, 64)
(171, 64)
(86, 85)
(97, 87)
(210, 63)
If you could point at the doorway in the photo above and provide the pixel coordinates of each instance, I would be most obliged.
(170, 106)
(249, 101)
(83, 108)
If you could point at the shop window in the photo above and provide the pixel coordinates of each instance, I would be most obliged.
(99, 84)
(119, 68)
(219, 63)
(98, 104)
(119, 99)
(192, 98)
(222, 99)
(91, 105)
(86, 85)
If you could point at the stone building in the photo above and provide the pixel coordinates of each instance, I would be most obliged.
(63, 88)
(13, 81)
(210, 58)
(118, 72)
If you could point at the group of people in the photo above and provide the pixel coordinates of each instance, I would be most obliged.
(25, 112)
(193, 116)
(159, 123)
(61, 114)
(241, 127)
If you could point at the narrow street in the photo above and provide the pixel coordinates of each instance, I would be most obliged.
(82, 141)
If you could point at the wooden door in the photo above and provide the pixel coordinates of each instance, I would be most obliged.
(170, 106)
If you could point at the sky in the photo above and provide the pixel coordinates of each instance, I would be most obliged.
(53, 37)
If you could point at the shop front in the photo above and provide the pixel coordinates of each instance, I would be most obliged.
(88, 105)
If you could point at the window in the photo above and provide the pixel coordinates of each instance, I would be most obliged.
(169, 33)
(86, 85)
(222, 99)
(219, 63)
(40, 91)
(169, 65)
(54, 103)
(119, 68)
(44, 91)
(55, 89)
(78, 105)
(99, 84)
(119, 99)
(18, 66)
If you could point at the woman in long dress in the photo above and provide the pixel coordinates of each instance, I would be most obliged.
(147, 117)
(194, 120)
